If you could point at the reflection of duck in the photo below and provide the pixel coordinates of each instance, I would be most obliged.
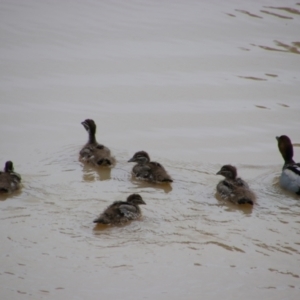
(9, 180)
(142, 184)
(121, 212)
(290, 176)
(92, 152)
(89, 173)
(148, 170)
(233, 188)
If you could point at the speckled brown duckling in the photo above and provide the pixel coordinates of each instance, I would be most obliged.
(92, 152)
(149, 170)
(290, 176)
(121, 212)
(233, 188)
(10, 181)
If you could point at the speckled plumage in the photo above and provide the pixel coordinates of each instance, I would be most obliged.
(93, 152)
(233, 188)
(148, 170)
(121, 212)
(290, 175)
(10, 181)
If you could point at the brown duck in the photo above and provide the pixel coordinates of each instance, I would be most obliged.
(92, 152)
(148, 170)
(121, 212)
(233, 188)
(10, 181)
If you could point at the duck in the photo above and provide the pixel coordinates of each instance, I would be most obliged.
(233, 188)
(10, 181)
(93, 152)
(290, 175)
(121, 212)
(149, 170)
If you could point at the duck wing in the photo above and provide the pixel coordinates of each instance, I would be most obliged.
(143, 171)
(295, 168)
(129, 211)
(9, 182)
(241, 183)
(225, 188)
(16, 176)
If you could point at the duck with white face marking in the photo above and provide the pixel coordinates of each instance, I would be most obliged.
(233, 188)
(121, 212)
(10, 181)
(149, 170)
(290, 175)
(93, 152)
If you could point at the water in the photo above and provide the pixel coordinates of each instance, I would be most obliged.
(195, 84)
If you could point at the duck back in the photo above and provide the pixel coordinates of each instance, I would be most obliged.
(237, 191)
(151, 171)
(119, 212)
(97, 155)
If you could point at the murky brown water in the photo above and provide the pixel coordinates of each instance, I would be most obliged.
(197, 84)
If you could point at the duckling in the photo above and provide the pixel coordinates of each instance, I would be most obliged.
(10, 181)
(92, 152)
(290, 176)
(121, 212)
(233, 188)
(148, 170)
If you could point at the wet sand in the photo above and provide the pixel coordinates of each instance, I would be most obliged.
(197, 85)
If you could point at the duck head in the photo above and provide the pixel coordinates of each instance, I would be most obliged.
(285, 147)
(140, 157)
(228, 171)
(89, 125)
(9, 167)
(135, 199)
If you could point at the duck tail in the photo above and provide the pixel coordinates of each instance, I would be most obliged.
(167, 180)
(104, 162)
(245, 201)
(102, 220)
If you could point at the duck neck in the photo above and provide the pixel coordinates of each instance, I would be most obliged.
(137, 208)
(287, 153)
(8, 169)
(288, 161)
(92, 138)
(143, 161)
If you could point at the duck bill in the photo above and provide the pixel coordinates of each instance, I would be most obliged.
(131, 160)
(84, 124)
(219, 173)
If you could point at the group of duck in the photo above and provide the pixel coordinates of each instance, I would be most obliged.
(231, 188)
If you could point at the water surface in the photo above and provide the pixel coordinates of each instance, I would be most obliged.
(195, 84)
